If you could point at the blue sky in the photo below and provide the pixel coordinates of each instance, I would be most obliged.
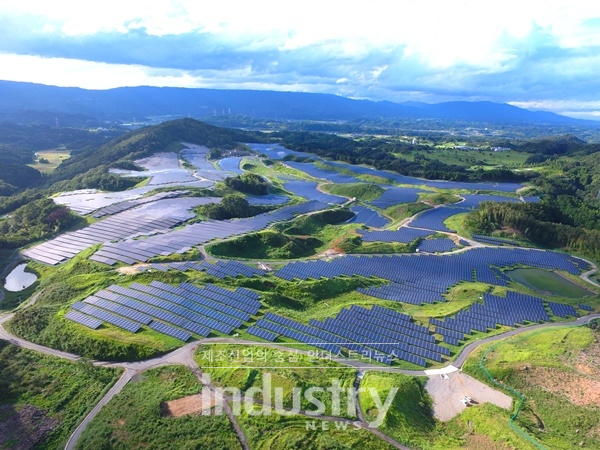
(535, 54)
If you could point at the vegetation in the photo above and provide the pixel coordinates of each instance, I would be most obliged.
(548, 282)
(43, 398)
(276, 432)
(33, 221)
(405, 210)
(231, 206)
(302, 237)
(409, 419)
(44, 324)
(266, 245)
(537, 223)
(556, 370)
(360, 191)
(248, 183)
(136, 417)
(242, 367)
(381, 154)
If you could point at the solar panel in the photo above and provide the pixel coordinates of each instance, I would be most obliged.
(82, 319)
(170, 331)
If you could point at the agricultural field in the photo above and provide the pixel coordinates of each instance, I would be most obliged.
(49, 160)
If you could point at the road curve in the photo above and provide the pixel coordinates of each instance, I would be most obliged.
(118, 386)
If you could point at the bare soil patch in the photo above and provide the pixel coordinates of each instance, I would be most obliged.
(25, 427)
(483, 442)
(185, 406)
(579, 389)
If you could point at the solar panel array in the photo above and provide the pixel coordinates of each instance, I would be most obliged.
(368, 217)
(308, 190)
(220, 269)
(396, 195)
(562, 310)
(433, 219)
(262, 333)
(231, 164)
(177, 311)
(585, 307)
(511, 310)
(82, 319)
(128, 204)
(438, 245)
(402, 179)
(299, 332)
(493, 240)
(117, 227)
(404, 235)
(423, 278)
(385, 331)
(183, 239)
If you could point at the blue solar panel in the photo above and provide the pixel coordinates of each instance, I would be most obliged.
(82, 319)
(170, 331)
(262, 333)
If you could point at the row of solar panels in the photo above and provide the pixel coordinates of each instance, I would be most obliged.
(421, 272)
(185, 238)
(120, 226)
(514, 309)
(193, 309)
(494, 241)
(403, 235)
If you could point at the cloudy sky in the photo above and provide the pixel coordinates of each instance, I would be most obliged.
(538, 54)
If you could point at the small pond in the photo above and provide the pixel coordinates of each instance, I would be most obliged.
(18, 279)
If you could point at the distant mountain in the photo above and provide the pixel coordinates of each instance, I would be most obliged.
(129, 103)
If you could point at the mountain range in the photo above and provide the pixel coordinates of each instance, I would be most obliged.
(24, 101)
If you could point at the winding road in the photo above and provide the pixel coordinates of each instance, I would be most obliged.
(184, 356)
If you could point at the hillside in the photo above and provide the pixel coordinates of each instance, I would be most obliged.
(129, 102)
(146, 141)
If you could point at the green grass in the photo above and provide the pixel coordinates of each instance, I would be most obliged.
(547, 282)
(439, 198)
(62, 391)
(244, 366)
(299, 238)
(475, 158)
(409, 419)
(361, 191)
(276, 432)
(457, 222)
(59, 287)
(54, 158)
(134, 419)
(405, 210)
(551, 356)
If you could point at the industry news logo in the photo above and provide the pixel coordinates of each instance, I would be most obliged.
(266, 400)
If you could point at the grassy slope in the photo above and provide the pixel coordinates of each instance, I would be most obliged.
(361, 191)
(133, 418)
(64, 390)
(409, 419)
(550, 416)
(241, 367)
(276, 432)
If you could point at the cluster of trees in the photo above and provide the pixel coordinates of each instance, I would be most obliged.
(249, 183)
(232, 206)
(538, 223)
(33, 221)
(381, 154)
